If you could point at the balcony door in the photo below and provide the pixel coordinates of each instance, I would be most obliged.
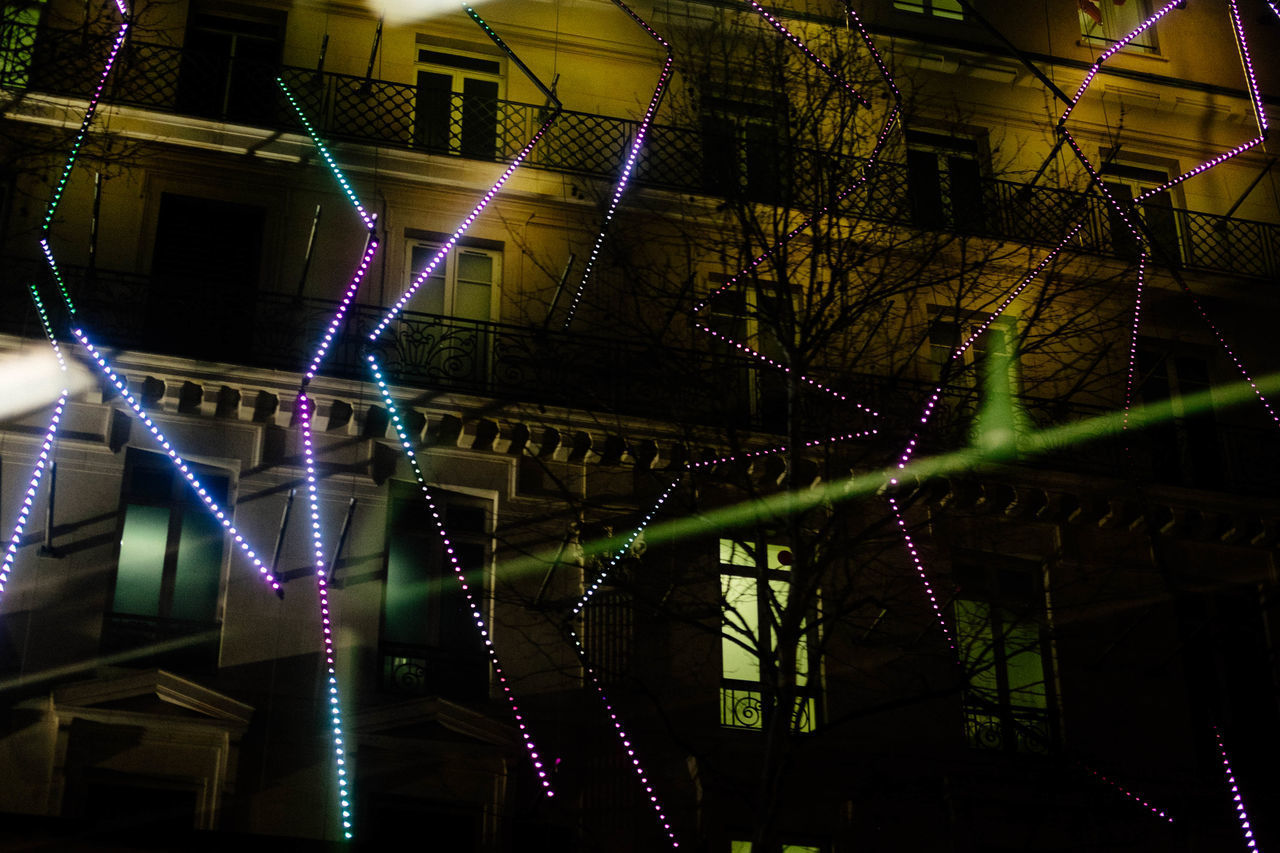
(456, 108)
(205, 271)
(229, 66)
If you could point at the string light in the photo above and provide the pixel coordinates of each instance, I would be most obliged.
(795, 40)
(178, 462)
(1133, 341)
(1241, 814)
(402, 434)
(1113, 49)
(1130, 794)
(322, 587)
(1242, 46)
(33, 486)
(626, 741)
(328, 158)
(595, 585)
(755, 454)
(630, 163)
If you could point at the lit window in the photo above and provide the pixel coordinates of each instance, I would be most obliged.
(747, 628)
(18, 22)
(1104, 22)
(748, 847)
(950, 9)
(430, 643)
(1001, 648)
(456, 107)
(169, 569)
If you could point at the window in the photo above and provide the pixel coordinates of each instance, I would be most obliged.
(18, 22)
(169, 569)
(989, 367)
(205, 269)
(744, 150)
(748, 847)
(456, 106)
(1125, 183)
(747, 632)
(944, 180)
(750, 314)
(1006, 704)
(463, 287)
(430, 643)
(1183, 449)
(950, 9)
(229, 66)
(1104, 22)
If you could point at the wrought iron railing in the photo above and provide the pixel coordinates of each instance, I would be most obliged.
(389, 113)
(1009, 727)
(427, 671)
(645, 378)
(742, 707)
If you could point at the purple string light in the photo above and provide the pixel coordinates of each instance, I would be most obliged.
(625, 739)
(630, 163)
(1133, 340)
(474, 606)
(795, 40)
(1241, 814)
(755, 454)
(178, 461)
(1242, 46)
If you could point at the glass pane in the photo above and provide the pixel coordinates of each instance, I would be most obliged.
(142, 547)
(741, 622)
(943, 9)
(973, 627)
(1023, 665)
(734, 553)
(475, 268)
(195, 589)
(409, 614)
(431, 295)
(471, 301)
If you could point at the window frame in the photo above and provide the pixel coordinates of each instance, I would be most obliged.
(742, 704)
(1125, 181)
(1110, 28)
(932, 8)
(458, 139)
(754, 125)
(405, 667)
(994, 721)
(125, 629)
(432, 243)
(936, 200)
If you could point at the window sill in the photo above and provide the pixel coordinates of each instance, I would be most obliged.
(1098, 47)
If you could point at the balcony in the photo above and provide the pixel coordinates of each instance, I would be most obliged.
(382, 112)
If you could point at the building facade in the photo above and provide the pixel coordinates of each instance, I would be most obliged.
(881, 458)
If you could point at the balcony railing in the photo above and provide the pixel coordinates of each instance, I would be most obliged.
(388, 113)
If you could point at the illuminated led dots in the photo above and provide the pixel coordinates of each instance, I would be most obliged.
(1236, 798)
(326, 156)
(472, 604)
(626, 741)
(1129, 794)
(628, 165)
(1112, 50)
(177, 460)
(795, 40)
(626, 546)
(920, 570)
(33, 487)
(1203, 167)
(1133, 341)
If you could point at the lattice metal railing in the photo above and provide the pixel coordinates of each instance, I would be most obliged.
(383, 112)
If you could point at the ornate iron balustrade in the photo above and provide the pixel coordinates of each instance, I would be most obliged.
(742, 707)
(423, 671)
(1009, 728)
(642, 378)
(383, 112)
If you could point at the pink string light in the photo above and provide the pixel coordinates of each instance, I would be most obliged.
(1130, 384)
(481, 625)
(1241, 814)
(630, 163)
(812, 57)
(1246, 61)
(770, 451)
(1158, 812)
(1115, 48)
(626, 742)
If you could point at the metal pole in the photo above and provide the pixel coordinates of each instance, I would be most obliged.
(284, 525)
(559, 289)
(306, 259)
(342, 539)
